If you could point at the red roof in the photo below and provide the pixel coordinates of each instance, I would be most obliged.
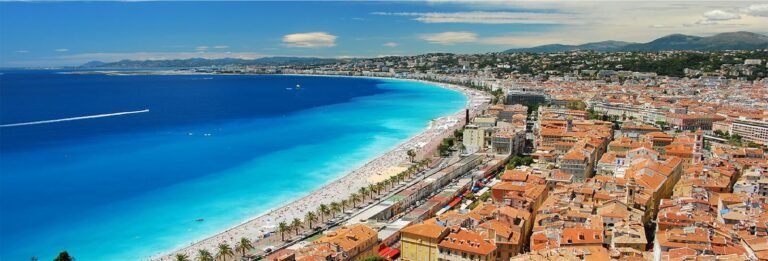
(454, 202)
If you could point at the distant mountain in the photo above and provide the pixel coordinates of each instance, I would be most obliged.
(93, 64)
(200, 62)
(604, 46)
(722, 41)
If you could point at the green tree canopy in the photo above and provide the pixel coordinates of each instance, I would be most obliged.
(374, 258)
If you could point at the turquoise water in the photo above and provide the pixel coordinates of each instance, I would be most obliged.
(129, 193)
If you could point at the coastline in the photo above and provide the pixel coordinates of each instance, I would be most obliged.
(257, 226)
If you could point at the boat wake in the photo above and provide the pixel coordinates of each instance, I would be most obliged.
(74, 118)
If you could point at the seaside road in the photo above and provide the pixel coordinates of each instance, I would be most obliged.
(345, 219)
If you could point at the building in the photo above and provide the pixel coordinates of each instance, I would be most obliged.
(528, 99)
(355, 242)
(476, 138)
(578, 162)
(420, 242)
(692, 122)
(462, 244)
(635, 131)
(751, 130)
(509, 111)
(508, 141)
(509, 229)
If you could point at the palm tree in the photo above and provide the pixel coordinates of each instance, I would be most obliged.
(224, 251)
(344, 203)
(401, 176)
(335, 208)
(372, 189)
(393, 181)
(411, 154)
(283, 227)
(204, 255)
(354, 198)
(296, 225)
(309, 218)
(243, 246)
(182, 257)
(324, 211)
(363, 192)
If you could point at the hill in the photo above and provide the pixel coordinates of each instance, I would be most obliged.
(674, 42)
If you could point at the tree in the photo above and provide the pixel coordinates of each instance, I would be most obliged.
(309, 218)
(224, 250)
(458, 134)
(324, 211)
(736, 138)
(374, 258)
(283, 227)
(243, 246)
(335, 208)
(719, 133)
(343, 204)
(393, 181)
(296, 225)
(354, 198)
(64, 256)
(518, 160)
(182, 257)
(204, 255)
(363, 192)
(411, 154)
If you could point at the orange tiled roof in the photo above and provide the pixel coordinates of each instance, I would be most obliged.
(432, 231)
(467, 241)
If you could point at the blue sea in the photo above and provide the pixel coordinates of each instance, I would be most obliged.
(120, 167)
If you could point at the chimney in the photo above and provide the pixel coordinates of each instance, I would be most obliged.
(466, 117)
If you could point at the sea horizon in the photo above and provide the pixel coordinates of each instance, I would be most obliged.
(130, 212)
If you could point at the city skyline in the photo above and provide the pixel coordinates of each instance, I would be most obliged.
(74, 33)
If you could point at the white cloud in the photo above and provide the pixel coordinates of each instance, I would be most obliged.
(310, 40)
(625, 20)
(391, 44)
(201, 48)
(221, 47)
(22, 51)
(720, 15)
(716, 16)
(757, 10)
(450, 38)
(482, 17)
(62, 50)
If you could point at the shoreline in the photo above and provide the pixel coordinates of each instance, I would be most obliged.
(348, 182)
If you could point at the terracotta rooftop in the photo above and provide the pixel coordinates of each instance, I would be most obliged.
(467, 241)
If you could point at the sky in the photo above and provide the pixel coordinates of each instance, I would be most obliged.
(44, 34)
